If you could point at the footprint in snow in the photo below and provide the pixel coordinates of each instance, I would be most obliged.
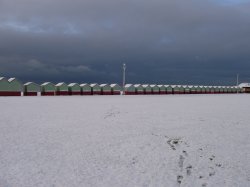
(179, 179)
(181, 161)
(204, 185)
(174, 142)
(189, 170)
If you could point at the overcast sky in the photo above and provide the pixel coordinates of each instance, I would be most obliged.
(161, 41)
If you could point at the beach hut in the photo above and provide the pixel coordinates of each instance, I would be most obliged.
(207, 89)
(4, 87)
(15, 87)
(186, 89)
(162, 89)
(220, 89)
(130, 89)
(216, 89)
(96, 89)
(182, 90)
(176, 89)
(211, 89)
(139, 90)
(197, 89)
(237, 89)
(48, 89)
(106, 89)
(74, 89)
(233, 89)
(155, 89)
(203, 89)
(116, 89)
(229, 90)
(62, 89)
(86, 89)
(31, 89)
(192, 89)
(225, 89)
(242, 88)
(169, 89)
(147, 89)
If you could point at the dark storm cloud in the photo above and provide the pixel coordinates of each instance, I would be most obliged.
(173, 41)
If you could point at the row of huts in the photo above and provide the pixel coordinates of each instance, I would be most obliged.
(145, 89)
(13, 87)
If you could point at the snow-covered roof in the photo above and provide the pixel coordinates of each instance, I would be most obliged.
(60, 84)
(113, 85)
(128, 85)
(137, 85)
(166, 85)
(244, 85)
(174, 86)
(94, 84)
(84, 84)
(1, 78)
(29, 83)
(72, 84)
(12, 79)
(145, 85)
(153, 85)
(46, 83)
(102, 85)
(161, 85)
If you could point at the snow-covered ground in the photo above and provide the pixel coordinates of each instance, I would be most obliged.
(74, 141)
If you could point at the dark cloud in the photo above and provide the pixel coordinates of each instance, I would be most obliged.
(162, 41)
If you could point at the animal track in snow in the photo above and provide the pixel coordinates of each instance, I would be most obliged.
(174, 142)
(111, 113)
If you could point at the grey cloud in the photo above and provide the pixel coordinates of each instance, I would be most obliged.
(76, 69)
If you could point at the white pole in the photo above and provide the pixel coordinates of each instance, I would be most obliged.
(124, 78)
(237, 83)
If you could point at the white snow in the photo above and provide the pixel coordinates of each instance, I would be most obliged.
(198, 140)
(242, 85)
(73, 84)
(46, 83)
(61, 84)
(129, 85)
